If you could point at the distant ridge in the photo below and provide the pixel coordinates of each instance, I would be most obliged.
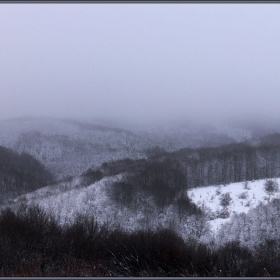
(82, 124)
(91, 126)
(69, 147)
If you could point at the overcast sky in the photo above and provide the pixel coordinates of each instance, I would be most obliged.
(140, 62)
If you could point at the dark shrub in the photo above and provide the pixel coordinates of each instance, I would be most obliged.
(146, 253)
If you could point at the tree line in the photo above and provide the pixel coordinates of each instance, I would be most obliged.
(227, 164)
(165, 174)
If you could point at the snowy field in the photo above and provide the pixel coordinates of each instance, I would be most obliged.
(242, 200)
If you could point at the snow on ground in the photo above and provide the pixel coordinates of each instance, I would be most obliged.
(65, 200)
(68, 198)
(242, 200)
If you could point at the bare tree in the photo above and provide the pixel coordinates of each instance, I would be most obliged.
(225, 199)
(271, 186)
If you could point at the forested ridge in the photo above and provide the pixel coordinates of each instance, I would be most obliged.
(165, 176)
(225, 164)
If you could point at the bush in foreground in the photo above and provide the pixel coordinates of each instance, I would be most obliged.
(32, 243)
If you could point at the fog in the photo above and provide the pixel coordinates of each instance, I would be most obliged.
(141, 63)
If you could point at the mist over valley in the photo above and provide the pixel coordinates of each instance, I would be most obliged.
(139, 140)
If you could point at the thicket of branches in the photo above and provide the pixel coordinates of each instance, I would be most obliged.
(161, 180)
(32, 243)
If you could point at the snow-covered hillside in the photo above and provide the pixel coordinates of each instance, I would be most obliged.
(242, 199)
(245, 201)
(70, 198)
(66, 199)
(69, 148)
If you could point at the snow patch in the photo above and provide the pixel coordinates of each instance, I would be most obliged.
(243, 200)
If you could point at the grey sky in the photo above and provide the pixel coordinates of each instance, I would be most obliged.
(140, 62)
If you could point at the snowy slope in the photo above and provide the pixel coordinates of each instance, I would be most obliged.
(65, 199)
(69, 148)
(68, 199)
(243, 200)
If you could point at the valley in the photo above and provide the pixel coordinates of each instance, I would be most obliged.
(131, 182)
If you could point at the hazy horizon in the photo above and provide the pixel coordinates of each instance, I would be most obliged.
(141, 63)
